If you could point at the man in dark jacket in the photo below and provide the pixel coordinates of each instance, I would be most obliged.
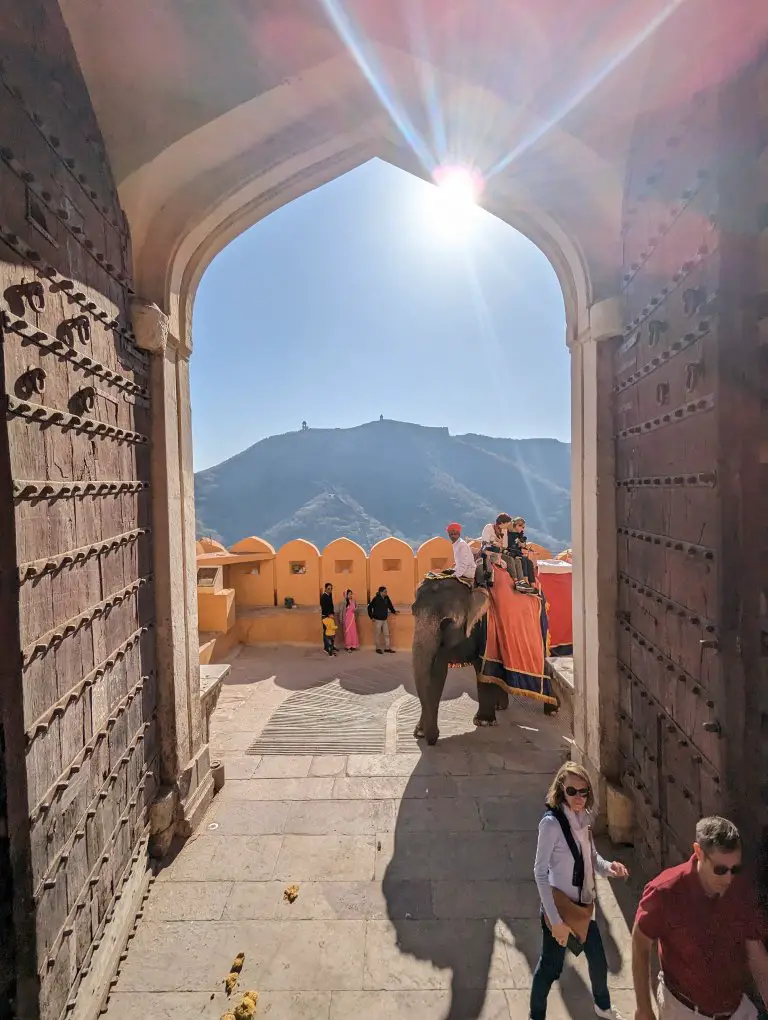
(379, 609)
(328, 617)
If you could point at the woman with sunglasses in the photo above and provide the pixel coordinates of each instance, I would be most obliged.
(565, 869)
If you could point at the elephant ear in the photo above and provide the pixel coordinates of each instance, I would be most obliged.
(478, 607)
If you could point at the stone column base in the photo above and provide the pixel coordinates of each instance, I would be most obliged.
(177, 810)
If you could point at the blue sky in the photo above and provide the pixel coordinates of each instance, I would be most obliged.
(368, 297)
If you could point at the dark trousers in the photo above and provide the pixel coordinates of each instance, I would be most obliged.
(550, 967)
(329, 642)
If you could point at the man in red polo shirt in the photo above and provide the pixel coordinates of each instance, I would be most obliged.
(704, 917)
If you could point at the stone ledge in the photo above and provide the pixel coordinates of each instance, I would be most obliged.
(560, 670)
(211, 679)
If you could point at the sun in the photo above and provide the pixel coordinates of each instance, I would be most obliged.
(452, 207)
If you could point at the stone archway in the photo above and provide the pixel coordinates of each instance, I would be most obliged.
(589, 324)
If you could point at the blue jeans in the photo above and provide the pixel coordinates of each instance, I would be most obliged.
(550, 967)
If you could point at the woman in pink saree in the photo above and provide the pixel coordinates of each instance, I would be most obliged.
(349, 622)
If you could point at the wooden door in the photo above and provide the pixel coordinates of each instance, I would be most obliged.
(686, 413)
(78, 686)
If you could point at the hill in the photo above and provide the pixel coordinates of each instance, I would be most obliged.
(384, 478)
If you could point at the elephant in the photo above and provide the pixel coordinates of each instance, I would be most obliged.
(449, 628)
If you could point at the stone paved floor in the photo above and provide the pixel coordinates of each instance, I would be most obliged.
(414, 867)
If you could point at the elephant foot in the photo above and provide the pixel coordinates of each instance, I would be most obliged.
(551, 709)
(433, 738)
(419, 732)
(478, 721)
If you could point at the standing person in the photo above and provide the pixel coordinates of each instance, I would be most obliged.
(379, 609)
(349, 621)
(704, 918)
(463, 558)
(327, 616)
(565, 868)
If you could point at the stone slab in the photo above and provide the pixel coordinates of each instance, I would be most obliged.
(484, 899)
(439, 814)
(311, 788)
(495, 856)
(248, 818)
(517, 813)
(424, 1005)
(312, 956)
(283, 766)
(433, 954)
(226, 858)
(328, 765)
(342, 901)
(348, 817)
(330, 858)
(397, 787)
(187, 901)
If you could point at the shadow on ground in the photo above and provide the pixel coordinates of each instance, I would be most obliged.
(483, 924)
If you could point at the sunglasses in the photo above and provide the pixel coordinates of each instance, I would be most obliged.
(574, 791)
(723, 869)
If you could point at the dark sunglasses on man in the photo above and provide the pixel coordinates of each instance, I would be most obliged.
(722, 869)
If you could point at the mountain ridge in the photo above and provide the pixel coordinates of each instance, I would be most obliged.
(384, 478)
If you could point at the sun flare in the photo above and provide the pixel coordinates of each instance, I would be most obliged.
(453, 201)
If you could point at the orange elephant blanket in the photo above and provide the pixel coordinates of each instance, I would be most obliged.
(517, 641)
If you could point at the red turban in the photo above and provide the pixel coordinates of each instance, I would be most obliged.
(454, 527)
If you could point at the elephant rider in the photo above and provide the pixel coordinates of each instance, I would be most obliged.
(463, 558)
(517, 544)
(496, 550)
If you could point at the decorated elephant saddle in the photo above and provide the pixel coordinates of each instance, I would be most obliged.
(446, 575)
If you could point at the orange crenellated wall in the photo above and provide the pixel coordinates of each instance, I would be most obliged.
(254, 582)
(259, 578)
(436, 554)
(345, 564)
(400, 582)
(303, 588)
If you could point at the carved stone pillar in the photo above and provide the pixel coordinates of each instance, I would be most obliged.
(595, 580)
(185, 775)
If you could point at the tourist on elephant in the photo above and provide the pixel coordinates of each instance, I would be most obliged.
(463, 558)
(517, 547)
(349, 621)
(564, 870)
(493, 543)
(379, 609)
(496, 552)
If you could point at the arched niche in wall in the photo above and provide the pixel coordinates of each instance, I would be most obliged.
(435, 554)
(254, 580)
(297, 573)
(345, 564)
(391, 563)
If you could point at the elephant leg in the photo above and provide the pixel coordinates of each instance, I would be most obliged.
(430, 702)
(487, 701)
(502, 699)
